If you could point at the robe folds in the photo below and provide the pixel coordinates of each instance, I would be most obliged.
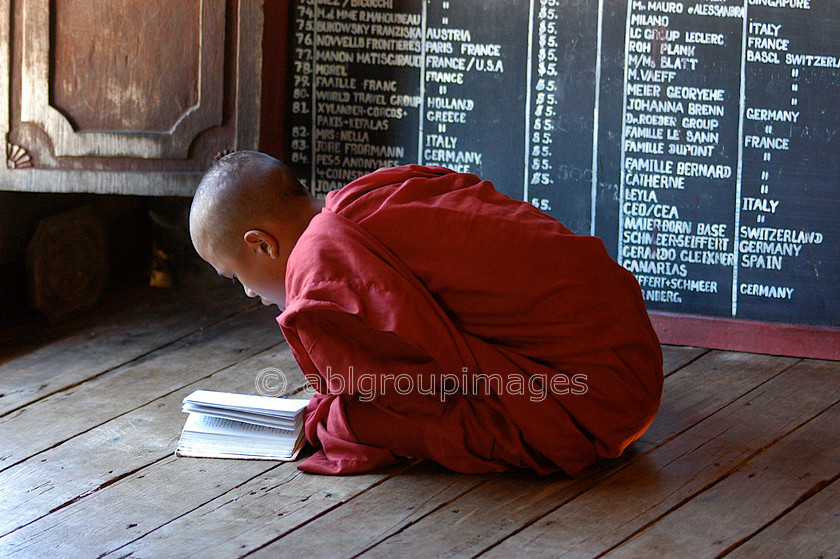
(440, 319)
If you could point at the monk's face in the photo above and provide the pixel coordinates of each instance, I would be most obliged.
(259, 275)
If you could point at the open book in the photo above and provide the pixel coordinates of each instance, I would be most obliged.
(228, 425)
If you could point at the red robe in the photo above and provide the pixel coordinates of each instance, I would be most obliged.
(440, 319)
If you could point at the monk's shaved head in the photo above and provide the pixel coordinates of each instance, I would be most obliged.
(242, 191)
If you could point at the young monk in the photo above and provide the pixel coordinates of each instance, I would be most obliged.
(437, 318)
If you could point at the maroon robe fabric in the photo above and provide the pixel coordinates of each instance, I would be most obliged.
(440, 319)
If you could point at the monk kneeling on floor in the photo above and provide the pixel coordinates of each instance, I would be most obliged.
(437, 318)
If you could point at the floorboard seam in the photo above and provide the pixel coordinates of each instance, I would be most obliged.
(687, 363)
(87, 494)
(701, 420)
(608, 473)
(735, 467)
(420, 518)
(813, 491)
(564, 502)
(130, 361)
(325, 511)
(156, 528)
(91, 428)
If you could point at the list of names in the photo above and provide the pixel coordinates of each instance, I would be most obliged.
(701, 145)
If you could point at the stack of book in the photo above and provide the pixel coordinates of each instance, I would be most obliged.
(228, 425)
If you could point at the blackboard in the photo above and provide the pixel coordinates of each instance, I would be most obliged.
(698, 139)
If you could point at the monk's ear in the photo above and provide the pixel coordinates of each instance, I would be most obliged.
(261, 242)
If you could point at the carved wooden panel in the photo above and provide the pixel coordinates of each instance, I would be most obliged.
(128, 85)
(114, 81)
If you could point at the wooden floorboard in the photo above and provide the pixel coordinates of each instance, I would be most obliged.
(743, 460)
(56, 418)
(92, 460)
(675, 357)
(260, 510)
(811, 529)
(641, 494)
(116, 340)
(739, 505)
(398, 502)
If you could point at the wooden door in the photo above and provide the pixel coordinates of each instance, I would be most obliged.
(130, 96)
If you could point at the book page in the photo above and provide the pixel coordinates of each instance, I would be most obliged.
(219, 426)
(247, 402)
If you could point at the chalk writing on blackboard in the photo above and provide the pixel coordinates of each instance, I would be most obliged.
(698, 139)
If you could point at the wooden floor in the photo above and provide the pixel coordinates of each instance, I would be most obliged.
(743, 459)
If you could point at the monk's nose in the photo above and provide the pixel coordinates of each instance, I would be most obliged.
(249, 293)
